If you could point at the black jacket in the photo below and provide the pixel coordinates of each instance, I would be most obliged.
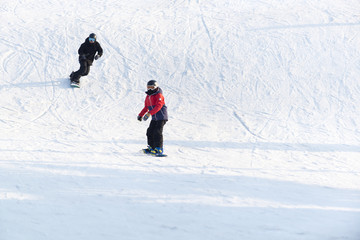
(89, 50)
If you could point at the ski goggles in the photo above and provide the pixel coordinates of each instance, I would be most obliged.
(151, 87)
(91, 39)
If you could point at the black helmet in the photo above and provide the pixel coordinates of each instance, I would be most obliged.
(92, 35)
(152, 83)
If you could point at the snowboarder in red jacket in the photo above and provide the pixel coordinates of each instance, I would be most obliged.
(156, 108)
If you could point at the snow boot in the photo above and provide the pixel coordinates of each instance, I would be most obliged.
(157, 151)
(148, 150)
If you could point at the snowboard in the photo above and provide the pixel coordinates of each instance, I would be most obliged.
(159, 155)
(74, 84)
(154, 155)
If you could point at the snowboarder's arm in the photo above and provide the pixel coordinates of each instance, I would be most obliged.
(99, 49)
(143, 111)
(160, 101)
(81, 50)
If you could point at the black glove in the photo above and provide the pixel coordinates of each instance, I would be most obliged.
(97, 56)
(139, 118)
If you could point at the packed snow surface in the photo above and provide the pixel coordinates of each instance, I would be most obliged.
(263, 139)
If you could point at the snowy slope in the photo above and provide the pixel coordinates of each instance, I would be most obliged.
(263, 137)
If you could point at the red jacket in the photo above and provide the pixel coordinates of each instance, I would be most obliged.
(155, 105)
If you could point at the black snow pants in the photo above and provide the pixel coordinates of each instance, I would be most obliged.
(154, 133)
(83, 70)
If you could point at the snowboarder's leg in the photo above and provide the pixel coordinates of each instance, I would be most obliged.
(154, 135)
(83, 70)
(158, 133)
(87, 70)
(150, 134)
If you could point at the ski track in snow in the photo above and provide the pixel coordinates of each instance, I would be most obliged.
(263, 136)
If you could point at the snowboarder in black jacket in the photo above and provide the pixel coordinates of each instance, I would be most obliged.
(88, 51)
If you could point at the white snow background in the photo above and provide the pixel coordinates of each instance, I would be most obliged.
(263, 137)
